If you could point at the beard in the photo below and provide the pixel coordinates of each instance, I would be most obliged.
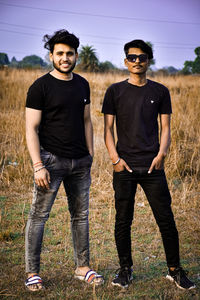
(64, 72)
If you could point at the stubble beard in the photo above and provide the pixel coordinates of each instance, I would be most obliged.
(64, 72)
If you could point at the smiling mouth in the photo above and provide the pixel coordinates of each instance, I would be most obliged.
(65, 65)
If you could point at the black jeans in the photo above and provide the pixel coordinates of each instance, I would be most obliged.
(157, 192)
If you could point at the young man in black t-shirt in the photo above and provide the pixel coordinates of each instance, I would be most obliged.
(138, 158)
(60, 141)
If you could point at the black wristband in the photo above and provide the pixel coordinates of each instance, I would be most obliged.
(115, 163)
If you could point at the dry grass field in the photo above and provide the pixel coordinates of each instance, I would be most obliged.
(183, 172)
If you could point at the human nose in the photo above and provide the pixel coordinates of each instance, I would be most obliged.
(137, 59)
(65, 57)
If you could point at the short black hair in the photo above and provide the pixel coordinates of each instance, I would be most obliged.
(141, 45)
(60, 37)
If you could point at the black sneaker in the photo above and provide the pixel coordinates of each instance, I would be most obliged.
(123, 278)
(179, 277)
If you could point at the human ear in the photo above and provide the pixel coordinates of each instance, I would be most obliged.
(125, 62)
(50, 56)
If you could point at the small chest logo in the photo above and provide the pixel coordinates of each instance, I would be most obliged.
(152, 101)
(85, 100)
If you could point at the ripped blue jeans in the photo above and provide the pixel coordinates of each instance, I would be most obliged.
(75, 175)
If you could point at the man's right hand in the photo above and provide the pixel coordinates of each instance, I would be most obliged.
(121, 166)
(42, 178)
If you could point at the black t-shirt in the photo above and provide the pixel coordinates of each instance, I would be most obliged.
(62, 103)
(136, 110)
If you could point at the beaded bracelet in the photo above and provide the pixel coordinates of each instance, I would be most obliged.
(39, 169)
(37, 163)
(115, 163)
(38, 166)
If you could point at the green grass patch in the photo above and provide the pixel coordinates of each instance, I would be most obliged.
(57, 264)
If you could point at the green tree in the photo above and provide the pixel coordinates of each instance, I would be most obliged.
(196, 62)
(197, 51)
(187, 69)
(14, 62)
(88, 60)
(172, 70)
(152, 61)
(192, 67)
(4, 59)
(196, 66)
(32, 61)
(106, 66)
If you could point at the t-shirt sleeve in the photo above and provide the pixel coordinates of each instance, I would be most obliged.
(165, 105)
(35, 96)
(108, 102)
(88, 93)
(83, 84)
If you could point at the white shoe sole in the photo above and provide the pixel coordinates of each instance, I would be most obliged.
(180, 287)
(119, 285)
(123, 287)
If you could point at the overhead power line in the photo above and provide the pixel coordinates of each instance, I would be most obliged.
(17, 32)
(23, 26)
(32, 34)
(100, 15)
(90, 35)
(42, 29)
(175, 45)
(12, 51)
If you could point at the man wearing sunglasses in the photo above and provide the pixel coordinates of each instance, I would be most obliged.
(138, 158)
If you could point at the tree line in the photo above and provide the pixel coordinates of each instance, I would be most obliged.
(89, 62)
(193, 67)
(31, 61)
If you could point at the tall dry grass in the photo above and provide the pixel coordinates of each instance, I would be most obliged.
(183, 159)
(182, 168)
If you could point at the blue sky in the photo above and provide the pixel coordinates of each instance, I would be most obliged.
(172, 26)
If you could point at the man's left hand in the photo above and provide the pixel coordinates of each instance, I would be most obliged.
(157, 163)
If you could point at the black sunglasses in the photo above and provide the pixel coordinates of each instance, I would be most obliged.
(133, 57)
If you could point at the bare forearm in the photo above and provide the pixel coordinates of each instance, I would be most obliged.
(165, 141)
(89, 137)
(118, 163)
(33, 119)
(110, 144)
(33, 145)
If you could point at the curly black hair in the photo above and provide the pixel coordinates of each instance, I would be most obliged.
(60, 37)
(141, 45)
